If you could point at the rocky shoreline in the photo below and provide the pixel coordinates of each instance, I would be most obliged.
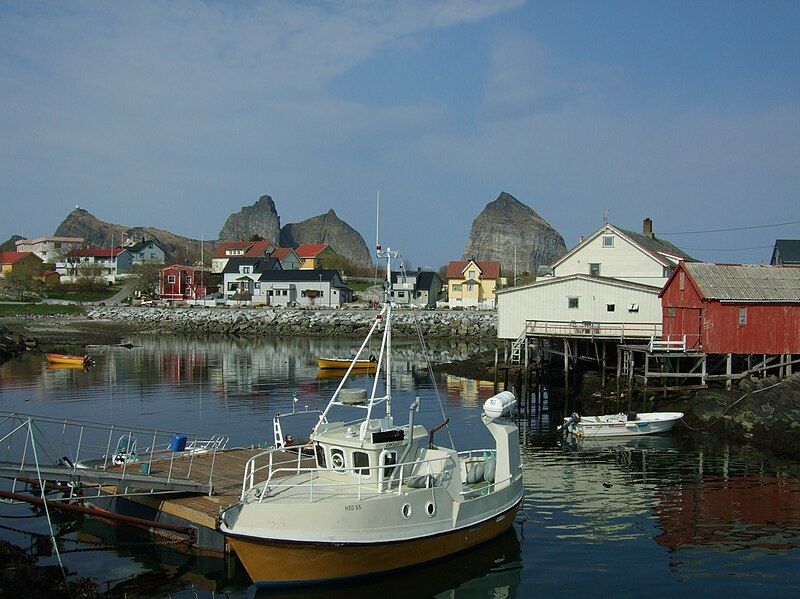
(249, 322)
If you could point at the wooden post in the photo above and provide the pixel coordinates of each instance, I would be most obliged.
(789, 365)
(619, 374)
(764, 369)
(603, 367)
(729, 371)
(566, 377)
(704, 371)
(505, 378)
(631, 363)
(646, 372)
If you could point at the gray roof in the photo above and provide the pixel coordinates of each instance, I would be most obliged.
(258, 264)
(137, 247)
(787, 251)
(326, 275)
(745, 282)
(655, 244)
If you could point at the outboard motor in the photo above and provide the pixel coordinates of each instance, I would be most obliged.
(632, 416)
(573, 419)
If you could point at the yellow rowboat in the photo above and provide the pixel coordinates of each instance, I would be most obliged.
(337, 364)
(68, 359)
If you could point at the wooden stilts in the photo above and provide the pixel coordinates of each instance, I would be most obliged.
(566, 377)
(631, 363)
(729, 371)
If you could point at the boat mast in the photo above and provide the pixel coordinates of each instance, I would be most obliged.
(388, 303)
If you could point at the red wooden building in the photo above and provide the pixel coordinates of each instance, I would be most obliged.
(181, 282)
(733, 309)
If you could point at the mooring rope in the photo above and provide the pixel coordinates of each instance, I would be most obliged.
(725, 411)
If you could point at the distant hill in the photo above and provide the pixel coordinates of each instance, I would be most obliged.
(10, 245)
(97, 233)
(259, 219)
(507, 223)
(328, 228)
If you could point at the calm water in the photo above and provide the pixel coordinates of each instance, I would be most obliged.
(669, 515)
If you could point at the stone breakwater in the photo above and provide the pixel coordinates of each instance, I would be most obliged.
(244, 322)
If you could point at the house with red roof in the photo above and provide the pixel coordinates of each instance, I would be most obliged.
(314, 255)
(471, 283)
(287, 257)
(19, 262)
(239, 249)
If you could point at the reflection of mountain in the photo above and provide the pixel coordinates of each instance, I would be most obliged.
(751, 510)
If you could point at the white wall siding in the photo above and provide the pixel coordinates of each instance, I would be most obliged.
(549, 301)
(622, 261)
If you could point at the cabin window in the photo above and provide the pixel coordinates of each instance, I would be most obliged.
(361, 462)
(321, 462)
(671, 311)
(611, 307)
(388, 461)
(742, 315)
(594, 269)
(170, 278)
(572, 303)
(608, 241)
(682, 281)
(337, 459)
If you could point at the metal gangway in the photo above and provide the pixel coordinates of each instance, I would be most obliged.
(86, 459)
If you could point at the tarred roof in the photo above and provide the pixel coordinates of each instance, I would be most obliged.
(96, 253)
(280, 253)
(11, 257)
(489, 270)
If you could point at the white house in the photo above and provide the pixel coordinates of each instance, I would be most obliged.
(579, 304)
(322, 288)
(50, 249)
(620, 254)
(241, 277)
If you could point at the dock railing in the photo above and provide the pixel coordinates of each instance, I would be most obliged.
(591, 329)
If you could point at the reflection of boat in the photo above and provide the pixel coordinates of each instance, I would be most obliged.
(330, 373)
(69, 359)
(380, 496)
(57, 366)
(620, 425)
(643, 443)
(340, 364)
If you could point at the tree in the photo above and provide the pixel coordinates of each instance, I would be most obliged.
(18, 285)
(89, 277)
(148, 276)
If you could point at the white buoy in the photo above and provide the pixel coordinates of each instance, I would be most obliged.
(499, 404)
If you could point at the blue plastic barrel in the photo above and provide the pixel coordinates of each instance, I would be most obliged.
(178, 442)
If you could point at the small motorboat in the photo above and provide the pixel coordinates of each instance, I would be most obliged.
(340, 364)
(628, 424)
(71, 360)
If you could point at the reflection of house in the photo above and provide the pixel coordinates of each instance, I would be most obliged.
(181, 282)
(733, 308)
(241, 277)
(24, 263)
(315, 255)
(569, 304)
(419, 288)
(103, 263)
(143, 251)
(49, 249)
(620, 254)
(288, 258)
(785, 253)
(322, 288)
(239, 249)
(473, 283)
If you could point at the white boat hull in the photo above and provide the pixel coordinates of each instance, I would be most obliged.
(617, 425)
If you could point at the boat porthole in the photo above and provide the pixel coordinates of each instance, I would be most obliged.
(430, 509)
(406, 511)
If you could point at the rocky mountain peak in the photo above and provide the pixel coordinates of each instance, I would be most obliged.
(506, 223)
(259, 219)
(327, 228)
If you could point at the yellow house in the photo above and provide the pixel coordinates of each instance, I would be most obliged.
(472, 283)
(315, 255)
(19, 262)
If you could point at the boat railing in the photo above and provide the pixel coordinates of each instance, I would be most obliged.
(425, 473)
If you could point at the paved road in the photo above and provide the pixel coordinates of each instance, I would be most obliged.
(127, 289)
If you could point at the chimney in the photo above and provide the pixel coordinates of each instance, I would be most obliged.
(647, 227)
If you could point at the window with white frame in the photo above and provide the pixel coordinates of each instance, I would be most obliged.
(594, 269)
(170, 278)
(742, 316)
(572, 303)
(608, 241)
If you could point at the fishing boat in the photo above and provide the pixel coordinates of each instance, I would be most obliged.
(371, 494)
(69, 359)
(627, 424)
(340, 364)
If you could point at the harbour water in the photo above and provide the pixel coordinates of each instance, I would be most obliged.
(684, 514)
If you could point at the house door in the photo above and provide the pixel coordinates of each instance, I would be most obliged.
(688, 321)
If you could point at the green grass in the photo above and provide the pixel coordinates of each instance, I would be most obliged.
(80, 296)
(360, 285)
(20, 309)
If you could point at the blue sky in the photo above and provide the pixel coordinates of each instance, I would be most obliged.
(176, 114)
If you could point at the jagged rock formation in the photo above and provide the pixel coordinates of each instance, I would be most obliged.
(328, 228)
(506, 223)
(97, 233)
(10, 244)
(259, 219)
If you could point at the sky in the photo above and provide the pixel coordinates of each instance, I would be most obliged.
(175, 114)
